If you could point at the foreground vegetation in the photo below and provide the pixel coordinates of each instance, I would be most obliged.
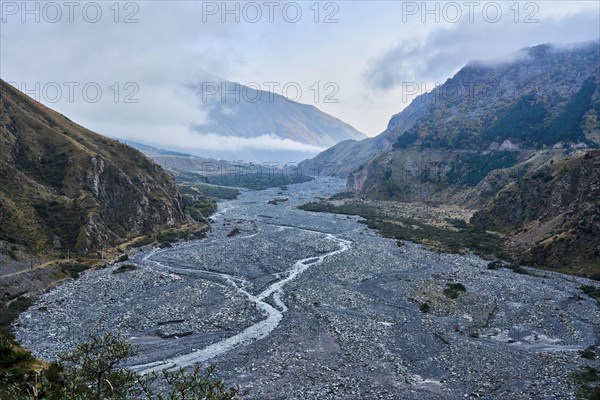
(96, 370)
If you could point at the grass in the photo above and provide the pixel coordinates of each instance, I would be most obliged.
(73, 269)
(459, 240)
(215, 192)
(169, 236)
(588, 381)
(125, 268)
(146, 240)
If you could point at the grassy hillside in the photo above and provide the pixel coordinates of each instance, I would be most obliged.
(551, 215)
(63, 187)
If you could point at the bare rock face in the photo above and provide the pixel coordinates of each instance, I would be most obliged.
(507, 145)
(63, 186)
(357, 180)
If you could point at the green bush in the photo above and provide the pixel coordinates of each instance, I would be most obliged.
(234, 232)
(96, 370)
(453, 290)
(73, 269)
(10, 354)
(591, 291)
(125, 268)
(494, 265)
(425, 307)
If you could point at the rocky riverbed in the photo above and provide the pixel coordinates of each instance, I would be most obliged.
(297, 305)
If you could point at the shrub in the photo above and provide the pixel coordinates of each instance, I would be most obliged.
(425, 308)
(10, 354)
(73, 269)
(591, 291)
(519, 270)
(96, 370)
(125, 268)
(587, 354)
(453, 290)
(234, 232)
(494, 265)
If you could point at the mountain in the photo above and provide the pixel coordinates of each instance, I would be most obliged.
(549, 212)
(151, 150)
(63, 187)
(546, 96)
(511, 141)
(173, 160)
(240, 123)
(241, 111)
(189, 169)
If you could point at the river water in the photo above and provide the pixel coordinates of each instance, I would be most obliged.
(298, 305)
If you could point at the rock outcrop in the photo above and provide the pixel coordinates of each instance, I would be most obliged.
(63, 187)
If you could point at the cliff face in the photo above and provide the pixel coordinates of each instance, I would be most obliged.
(65, 187)
(551, 215)
(544, 96)
(445, 144)
(513, 139)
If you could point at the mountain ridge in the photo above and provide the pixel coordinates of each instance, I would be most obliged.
(258, 113)
(440, 118)
(63, 187)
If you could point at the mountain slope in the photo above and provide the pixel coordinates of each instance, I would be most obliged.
(545, 96)
(63, 187)
(514, 144)
(238, 110)
(550, 212)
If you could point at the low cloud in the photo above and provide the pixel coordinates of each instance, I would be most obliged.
(445, 50)
(182, 137)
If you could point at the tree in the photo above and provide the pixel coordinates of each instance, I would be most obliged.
(96, 368)
(197, 384)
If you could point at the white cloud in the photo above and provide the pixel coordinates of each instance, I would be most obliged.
(368, 53)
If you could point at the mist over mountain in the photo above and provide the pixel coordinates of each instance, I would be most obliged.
(250, 124)
(512, 139)
(238, 110)
(542, 96)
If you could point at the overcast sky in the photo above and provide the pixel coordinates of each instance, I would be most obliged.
(351, 59)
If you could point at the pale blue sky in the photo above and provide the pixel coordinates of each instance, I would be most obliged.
(369, 53)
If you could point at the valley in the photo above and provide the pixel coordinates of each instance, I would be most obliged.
(293, 304)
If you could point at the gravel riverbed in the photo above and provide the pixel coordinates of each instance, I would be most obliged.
(301, 305)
